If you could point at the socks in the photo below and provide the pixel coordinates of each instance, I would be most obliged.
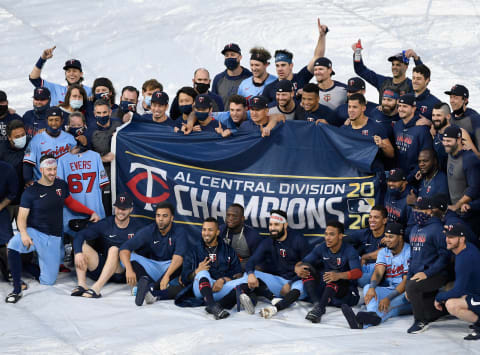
(327, 295)
(15, 263)
(263, 290)
(310, 287)
(140, 271)
(229, 300)
(289, 298)
(206, 291)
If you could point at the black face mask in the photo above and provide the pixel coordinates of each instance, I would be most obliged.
(41, 109)
(459, 111)
(3, 109)
(202, 88)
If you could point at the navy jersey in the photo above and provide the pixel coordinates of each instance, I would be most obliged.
(429, 250)
(386, 121)
(398, 210)
(46, 206)
(147, 117)
(442, 156)
(322, 112)
(410, 141)
(364, 241)
(34, 122)
(469, 121)
(467, 275)
(282, 255)
(341, 112)
(160, 247)
(463, 174)
(438, 185)
(370, 129)
(110, 233)
(299, 80)
(345, 259)
(225, 85)
(4, 123)
(248, 126)
(223, 260)
(211, 126)
(424, 104)
(8, 189)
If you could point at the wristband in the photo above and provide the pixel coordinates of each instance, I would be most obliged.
(393, 294)
(40, 63)
(373, 284)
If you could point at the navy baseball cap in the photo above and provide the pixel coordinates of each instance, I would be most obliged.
(394, 228)
(123, 201)
(3, 95)
(78, 224)
(54, 111)
(284, 86)
(323, 62)
(73, 63)
(160, 97)
(407, 99)
(355, 84)
(41, 94)
(458, 90)
(231, 47)
(397, 175)
(452, 132)
(440, 201)
(258, 102)
(400, 57)
(203, 102)
(456, 230)
(424, 203)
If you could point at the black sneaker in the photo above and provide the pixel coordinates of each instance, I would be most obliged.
(217, 311)
(475, 335)
(315, 315)
(370, 318)
(13, 297)
(143, 288)
(350, 317)
(417, 327)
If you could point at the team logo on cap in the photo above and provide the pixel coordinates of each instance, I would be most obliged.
(122, 199)
(351, 82)
(59, 192)
(392, 171)
(283, 253)
(39, 90)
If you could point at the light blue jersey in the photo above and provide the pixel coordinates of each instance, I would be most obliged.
(57, 92)
(43, 144)
(225, 119)
(396, 265)
(85, 176)
(248, 89)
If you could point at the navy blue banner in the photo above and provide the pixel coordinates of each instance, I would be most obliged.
(314, 173)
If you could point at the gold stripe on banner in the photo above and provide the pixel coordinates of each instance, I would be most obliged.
(248, 174)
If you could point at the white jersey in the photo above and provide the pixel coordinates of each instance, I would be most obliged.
(85, 176)
(335, 96)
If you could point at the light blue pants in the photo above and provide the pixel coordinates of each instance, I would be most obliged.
(275, 284)
(227, 286)
(155, 269)
(398, 306)
(48, 248)
(367, 271)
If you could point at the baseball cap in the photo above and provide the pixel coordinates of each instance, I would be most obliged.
(440, 201)
(202, 102)
(73, 63)
(407, 99)
(400, 57)
(458, 90)
(54, 111)
(323, 62)
(393, 94)
(231, 47)
(456, 230)
(160, 97)
(258, 102)
(41, 94)
(78, 224)
(452, 132)
(394, 228)
(123, 201)
(355, 84)
(397, 175)
(424, 203)
(284, 86)
(3, 95)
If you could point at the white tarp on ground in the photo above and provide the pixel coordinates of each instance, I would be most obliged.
(131, 41)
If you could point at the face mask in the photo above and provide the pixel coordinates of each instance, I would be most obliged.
(201, 116)
(3, 109)
(202, 88)
(19, 143)
(76, 104)
(459, 111)
(279, 235)
(54, 132)
(147, 100)
(395, 193)
(231, 63)
(103, 120)
(102, 95)
(421, 218)
(127, 106)
(77, 131)
(185, 109)
(41, 109)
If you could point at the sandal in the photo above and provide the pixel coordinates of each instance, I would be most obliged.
(78, 291)
(13, 297)
(91, 293)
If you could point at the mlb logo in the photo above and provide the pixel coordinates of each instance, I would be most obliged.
(339, 261)
(360, 205)
(283, 253)
(130, 236)
(364, 132)
(423, 109)
(59, 192)
(327, 97)
(213, 257)
(103, 174)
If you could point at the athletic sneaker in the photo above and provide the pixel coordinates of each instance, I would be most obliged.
(13, 297)
(217, 311)
(275, 300)
(475, 335)
(144, 287)
(417, 327)
(247, 303)
(315, 315)
(268, 312)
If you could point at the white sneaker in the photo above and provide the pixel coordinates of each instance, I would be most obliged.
(268, 312)
(247, 303)
(149, 298)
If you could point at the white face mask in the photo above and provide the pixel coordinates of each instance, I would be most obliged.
(19, 143)
(76, 104)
